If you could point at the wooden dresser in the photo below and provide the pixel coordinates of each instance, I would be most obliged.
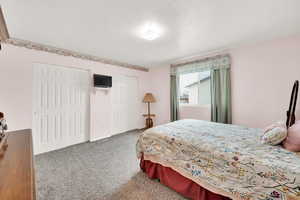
(16, 168)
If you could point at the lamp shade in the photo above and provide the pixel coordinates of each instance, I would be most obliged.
(149, 98)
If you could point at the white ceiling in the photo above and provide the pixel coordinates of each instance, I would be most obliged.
(109, 28)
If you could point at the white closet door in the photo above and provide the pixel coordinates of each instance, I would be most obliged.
(125, 104)
(60, 107)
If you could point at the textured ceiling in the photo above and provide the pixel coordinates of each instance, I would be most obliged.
(109, 28)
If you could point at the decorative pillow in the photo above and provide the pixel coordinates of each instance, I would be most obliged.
(292, 142)
(274, 134)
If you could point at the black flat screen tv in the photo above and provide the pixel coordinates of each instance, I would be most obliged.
(102, 81)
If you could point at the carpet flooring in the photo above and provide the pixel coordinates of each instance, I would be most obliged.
(103, 170)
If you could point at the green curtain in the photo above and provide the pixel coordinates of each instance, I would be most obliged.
(174, 98)
(221, 96)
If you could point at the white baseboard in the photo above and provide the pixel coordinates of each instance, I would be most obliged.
(102, 138)
(98, 138)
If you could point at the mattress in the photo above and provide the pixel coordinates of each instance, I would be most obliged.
(226, 159)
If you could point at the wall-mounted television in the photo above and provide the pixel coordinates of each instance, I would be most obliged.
(102, 81)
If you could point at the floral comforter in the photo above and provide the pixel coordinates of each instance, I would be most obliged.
(228, 157)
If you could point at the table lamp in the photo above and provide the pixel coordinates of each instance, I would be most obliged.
(149, 98)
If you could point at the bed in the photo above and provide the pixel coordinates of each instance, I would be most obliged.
(228, 160)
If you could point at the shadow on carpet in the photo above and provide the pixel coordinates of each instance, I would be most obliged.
(140, 187)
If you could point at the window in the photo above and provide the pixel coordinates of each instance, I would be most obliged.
(194, 88)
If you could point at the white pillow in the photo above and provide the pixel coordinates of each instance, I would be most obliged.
(274, 135)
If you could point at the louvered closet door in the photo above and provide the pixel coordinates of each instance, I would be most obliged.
(60, 107)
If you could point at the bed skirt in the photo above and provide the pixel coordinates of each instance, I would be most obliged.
(177, 182)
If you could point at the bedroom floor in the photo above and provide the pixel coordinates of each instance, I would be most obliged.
(102, 170)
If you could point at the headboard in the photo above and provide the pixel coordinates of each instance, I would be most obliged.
(293, 102)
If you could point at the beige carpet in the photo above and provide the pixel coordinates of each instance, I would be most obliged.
(102, 170)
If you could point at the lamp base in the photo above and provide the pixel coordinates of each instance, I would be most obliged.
(149, 123)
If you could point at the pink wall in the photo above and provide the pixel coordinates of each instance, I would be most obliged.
(16, 87)
(262, 80)
(194, 112)
(160, 87)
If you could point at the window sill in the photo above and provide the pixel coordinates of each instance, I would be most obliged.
(195, 105)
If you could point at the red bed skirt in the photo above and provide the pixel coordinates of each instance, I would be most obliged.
(177, 182)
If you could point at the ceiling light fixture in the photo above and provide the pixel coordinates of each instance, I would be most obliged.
(150, 31)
